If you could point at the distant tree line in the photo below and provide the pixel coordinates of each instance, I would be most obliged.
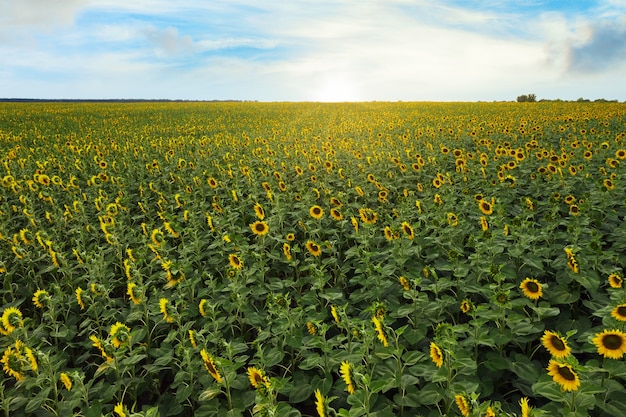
(524, 98)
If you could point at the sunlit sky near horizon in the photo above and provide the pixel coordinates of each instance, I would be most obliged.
(323, 50)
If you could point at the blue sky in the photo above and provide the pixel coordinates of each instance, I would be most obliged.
(302, 50)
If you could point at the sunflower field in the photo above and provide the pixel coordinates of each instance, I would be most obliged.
(309, 259)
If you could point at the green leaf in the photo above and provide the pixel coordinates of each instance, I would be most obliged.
(209, 394)
(300, 393)
(551, 390)
(431, 394)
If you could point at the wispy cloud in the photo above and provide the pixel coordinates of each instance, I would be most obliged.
(310, 50)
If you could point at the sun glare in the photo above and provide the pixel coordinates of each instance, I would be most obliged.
(336, 89)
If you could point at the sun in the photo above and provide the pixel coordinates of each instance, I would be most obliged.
(336, 88)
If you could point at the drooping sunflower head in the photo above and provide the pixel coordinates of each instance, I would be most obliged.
(257, 377)
(564, 375)
(41, 298)
(405, 283)
(525, 407)
(259, 212)
(347, 374)
(436, 354)
(555, 344)
(408, 230)
(532, 288)
(209, 364)
(259, 228)
(119, 334)
(466, 306)
(320, 403)
(11, 319)
(611, 343)
(463, 403)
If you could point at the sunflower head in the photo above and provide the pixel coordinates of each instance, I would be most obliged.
(235, 261)
(611, 343)
(615, 281)
(436, 354)
(259, 228)
(257, 378)
(555, 344)
(11, 319)
(532, 288)
(316, 212)
(313, 248)
(41, 298)
(120, 334)
(564, 375)
(619, 312)
(463, 403)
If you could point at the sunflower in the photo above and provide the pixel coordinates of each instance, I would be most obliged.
(333, 312)
(523, 402)
(484, 225)
(531, 288)
(346, 372)
(133, 293)
(405, 283)
(11, 319)
(313, 248)
(564, 375)
(311, 328)
(490, 412)
(235, 261)
(615, 281)
(463, 404)
(79, 298)
(202, 307)
(608, 184)
(355, 224)
(388, 233)
(257, 377)
(209, 364)
(41, 298)
(466, 306)
(212, 182)
(574, 210)
(619, 312)
(335, 202)
(380, 331)
(259, 212)
(163, 303)
(157, 237)
(119, 410)
(555, 344)
(611, 343)
(408, 230)
(66, 380)
(436, 355)
(287, 251)
(259, 228)
(453, 220)
(485, 207)
(316, 212)
(368, 216)
(120, 334)
(335, 214)
(320, 403)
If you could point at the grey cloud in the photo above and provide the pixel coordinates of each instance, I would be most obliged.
(604, 49)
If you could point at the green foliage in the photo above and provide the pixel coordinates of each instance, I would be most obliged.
(127, 250)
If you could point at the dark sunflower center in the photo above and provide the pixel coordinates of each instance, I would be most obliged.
(314, 247)
(557, 343)
(612, 341)
(260, 227)
(316, 211)
(567, 373)
(532, 287)
(621, 311)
